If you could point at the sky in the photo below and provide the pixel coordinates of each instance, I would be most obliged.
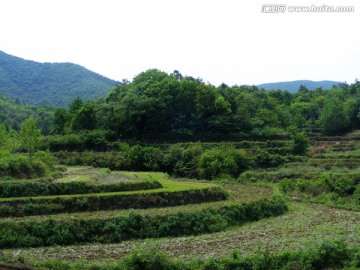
(220, 41)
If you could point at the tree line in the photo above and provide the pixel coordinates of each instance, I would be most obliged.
(157, 105)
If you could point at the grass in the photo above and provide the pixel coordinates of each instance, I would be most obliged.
(105, 176)
(143, 175)
(304, 226)
(71, 178)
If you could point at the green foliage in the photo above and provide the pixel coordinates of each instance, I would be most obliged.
(287, 185)
(50, 83)
(221, 162)
(60, 121)
(83, 140)
(183, 160)
(3, 138)
(46, 158)
(75, 106)
(326, 255)
(108, 201)
(342, 186)
(300, 143)
(30, 137)
(26, 189)
(60, 232)
(314, 187)
(19, 166)
(84, 118)
(332, 118)
(157, 106)
(264, 159)
(139, 158)
(150, 259)
(13, 113)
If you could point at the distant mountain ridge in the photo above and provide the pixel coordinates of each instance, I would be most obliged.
(293, 86)
(54, 84)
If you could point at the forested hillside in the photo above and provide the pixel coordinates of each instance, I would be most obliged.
(161, 106)
(49, 83)
(13, 113)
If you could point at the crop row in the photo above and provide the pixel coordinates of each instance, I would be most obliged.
(27, 189)
(134, 226)
(16, 207)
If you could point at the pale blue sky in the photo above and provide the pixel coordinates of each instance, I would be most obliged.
(229, 41)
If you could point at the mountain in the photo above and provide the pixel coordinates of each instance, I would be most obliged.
(293, 86)
(49, 83)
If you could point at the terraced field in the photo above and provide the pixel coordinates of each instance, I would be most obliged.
(303, 226)
(168, 208)
(189, 220)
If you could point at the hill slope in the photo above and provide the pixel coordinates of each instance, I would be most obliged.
(293, 86)
(49, 83)
(13, 113)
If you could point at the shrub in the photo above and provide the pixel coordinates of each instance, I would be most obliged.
(182, 160)
(139, 158)
(266, 160)
(313, 187)
(150, 259)
(300, 143)
(287, 185)
(222, 161)
(340, 185)
(18, 166)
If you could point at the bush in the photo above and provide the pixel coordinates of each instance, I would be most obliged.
(342, 186)
(287, 185)
(150, 259)
(183, 160)
(18, 166)
(300, 143)
(222, 162)
(266, 160)
(313, 187)
(46, 158)
(139, 158)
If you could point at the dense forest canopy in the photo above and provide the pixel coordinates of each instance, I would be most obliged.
(14, 112)
(157, 105)
(54, 84)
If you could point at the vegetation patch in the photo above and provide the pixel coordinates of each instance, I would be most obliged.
(22, 189)
(117, 229)
(177, 195)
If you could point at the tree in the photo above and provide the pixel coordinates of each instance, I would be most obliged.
(30, 137)
(13, 139)
(3, 138)
(223, 161)
(332, 117)
(75, 105)
(85, 118)
(61, 118)
(300, 143)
